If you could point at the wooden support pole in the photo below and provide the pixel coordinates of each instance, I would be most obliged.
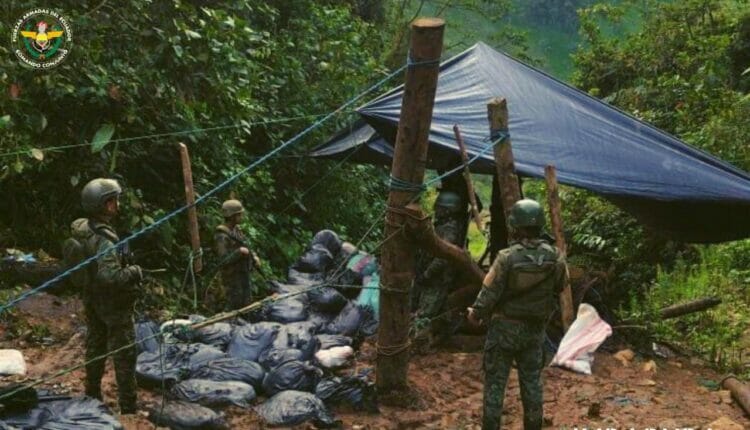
(467, 178)
(195, 239)
(497, 113)
(409, 159)
(553, 199)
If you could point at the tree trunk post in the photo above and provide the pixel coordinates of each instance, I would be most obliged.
(497, 113)
(467, 178)
(409, 160)
(195, 239)
(555, 210)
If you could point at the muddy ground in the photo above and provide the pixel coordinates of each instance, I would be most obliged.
(447, 383)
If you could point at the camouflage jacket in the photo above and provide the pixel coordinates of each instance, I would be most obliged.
(227, 244)
(111, 277)
(522, 282)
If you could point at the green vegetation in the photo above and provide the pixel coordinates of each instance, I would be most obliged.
(683, 73)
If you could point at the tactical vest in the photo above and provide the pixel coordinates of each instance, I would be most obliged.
(530, 282)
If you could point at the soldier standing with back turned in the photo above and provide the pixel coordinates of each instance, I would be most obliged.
(518, 295)
(235, 259)
(110, 297)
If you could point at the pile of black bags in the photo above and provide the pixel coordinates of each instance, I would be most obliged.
(271, 360)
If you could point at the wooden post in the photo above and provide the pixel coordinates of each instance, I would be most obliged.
(497, 113)
(195, 240)
(467, 178)
(553, 199)
(409, 159)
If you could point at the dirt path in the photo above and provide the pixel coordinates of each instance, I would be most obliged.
(449, 387)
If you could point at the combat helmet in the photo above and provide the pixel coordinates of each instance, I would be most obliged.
(449, 202)
(231, 207)
(97, 192)
(526, 213)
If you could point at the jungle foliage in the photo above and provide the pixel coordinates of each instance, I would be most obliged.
(684, 72)
(146, 68)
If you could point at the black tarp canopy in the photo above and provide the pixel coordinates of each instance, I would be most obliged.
(668, 185)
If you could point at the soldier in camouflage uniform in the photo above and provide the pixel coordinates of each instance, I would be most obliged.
(109, 298)
(440, 276)
(517, 297)
(236, 260)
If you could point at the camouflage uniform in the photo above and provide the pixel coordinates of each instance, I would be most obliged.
(518, 295)
(108, 302)
(235, 267)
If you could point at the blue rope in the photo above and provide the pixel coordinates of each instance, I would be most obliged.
(410, 62)
(497, 137)
(397, 184)
(204, 197)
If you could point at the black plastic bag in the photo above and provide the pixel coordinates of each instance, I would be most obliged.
(146, 336)
(295, 277)
(271, 358)
(354, 391)
(74, 414)
(317, 259)
(290, 407)
(215, 393)
(179, 415)
(173, 364)
(291, 375)
(320, 319)
(354, 320)
(217, 335)
(327, 341)
(301, 336)
(231, 369)
(326, 299)
(249, 341)
(287, 310)
(282, 288)
(329, 239)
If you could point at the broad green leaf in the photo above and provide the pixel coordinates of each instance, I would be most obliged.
(37, 153)
(177, 50)
(746, 72)
(102, 137)
(4, 121)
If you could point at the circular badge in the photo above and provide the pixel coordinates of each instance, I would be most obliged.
(41, 38)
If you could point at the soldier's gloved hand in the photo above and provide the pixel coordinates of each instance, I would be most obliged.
(136, 273)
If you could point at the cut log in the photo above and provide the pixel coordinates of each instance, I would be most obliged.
(740, 391)
(689, 307)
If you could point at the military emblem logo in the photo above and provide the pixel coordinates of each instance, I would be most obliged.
(41, 38)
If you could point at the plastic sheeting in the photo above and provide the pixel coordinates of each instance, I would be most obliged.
(665, 183)
(588, 331)
(74, 414)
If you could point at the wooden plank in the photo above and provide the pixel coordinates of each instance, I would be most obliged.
(409, 159)
(467, 178)
(195, 240)
(553, 199)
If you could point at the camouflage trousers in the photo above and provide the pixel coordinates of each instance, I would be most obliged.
(507, 342)
(108, 330)
(237, 292)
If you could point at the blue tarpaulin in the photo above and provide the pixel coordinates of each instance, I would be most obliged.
(670, 186)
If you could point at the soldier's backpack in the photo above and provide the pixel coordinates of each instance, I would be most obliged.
(530, 276)
(74, 252)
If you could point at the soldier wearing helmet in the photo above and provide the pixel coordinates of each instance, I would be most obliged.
(235, 259)
(110, 296)
(438, 277)
(517, 298)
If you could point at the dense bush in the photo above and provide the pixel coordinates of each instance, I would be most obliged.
(143, 68)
